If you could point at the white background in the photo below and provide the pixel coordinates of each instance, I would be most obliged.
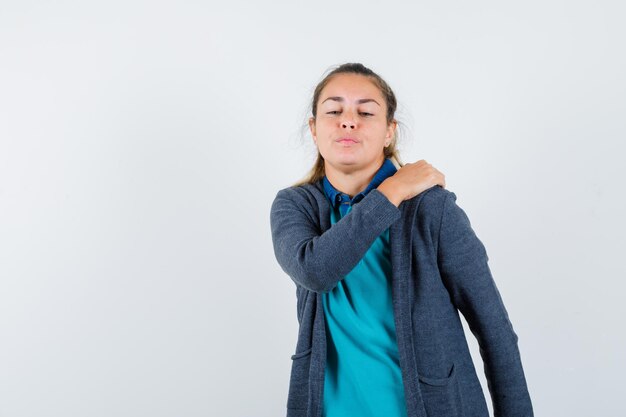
(142, 143)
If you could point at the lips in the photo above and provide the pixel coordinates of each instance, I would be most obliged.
(347, 140)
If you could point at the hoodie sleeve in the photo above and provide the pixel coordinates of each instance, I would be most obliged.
(463, 263)
(318, 261)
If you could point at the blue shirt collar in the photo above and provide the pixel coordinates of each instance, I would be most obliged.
(386, 170)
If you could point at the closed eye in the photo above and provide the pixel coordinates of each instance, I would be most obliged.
(337, 111)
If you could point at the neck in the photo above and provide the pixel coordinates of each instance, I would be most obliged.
(352, 180)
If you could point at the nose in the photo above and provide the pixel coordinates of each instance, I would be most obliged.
(348, 122)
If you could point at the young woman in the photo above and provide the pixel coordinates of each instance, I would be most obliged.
(383, 260)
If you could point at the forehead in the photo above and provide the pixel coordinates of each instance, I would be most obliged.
(352, 87)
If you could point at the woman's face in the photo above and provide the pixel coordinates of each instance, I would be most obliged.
(351, 129)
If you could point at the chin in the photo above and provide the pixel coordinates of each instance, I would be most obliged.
(346, 160)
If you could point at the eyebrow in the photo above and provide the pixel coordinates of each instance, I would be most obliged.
(359, 101)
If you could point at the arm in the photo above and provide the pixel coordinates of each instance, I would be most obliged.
(462, 260)
(318, 261)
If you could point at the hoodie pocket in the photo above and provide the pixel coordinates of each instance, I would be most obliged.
(441, 395)
(298, 397)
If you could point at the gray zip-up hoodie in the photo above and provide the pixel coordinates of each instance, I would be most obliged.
(439, 267)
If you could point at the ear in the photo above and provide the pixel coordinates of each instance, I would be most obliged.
(312, 128)
(391, 129)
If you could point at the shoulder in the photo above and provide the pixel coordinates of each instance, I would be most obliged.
(304, 198)
(298, 194)
(295, 191)
(432, 202)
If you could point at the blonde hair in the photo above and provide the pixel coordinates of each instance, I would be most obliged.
(317, 172)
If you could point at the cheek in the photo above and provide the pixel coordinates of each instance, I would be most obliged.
(324, 130)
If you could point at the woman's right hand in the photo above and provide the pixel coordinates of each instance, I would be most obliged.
(410, 180)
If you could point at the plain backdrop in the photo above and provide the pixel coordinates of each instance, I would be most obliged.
(143, 142)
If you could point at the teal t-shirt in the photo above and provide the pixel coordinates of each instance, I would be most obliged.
(362, 375)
